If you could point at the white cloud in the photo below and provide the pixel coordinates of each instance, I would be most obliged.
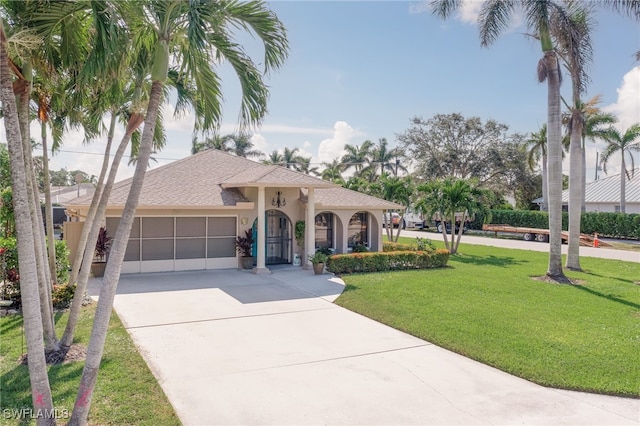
(470, 10)
(260, 143)
(627, 107)
(333, 147)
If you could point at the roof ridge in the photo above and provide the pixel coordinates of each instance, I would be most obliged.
(270, 169)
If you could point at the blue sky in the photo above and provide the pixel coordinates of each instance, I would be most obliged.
(361, 70)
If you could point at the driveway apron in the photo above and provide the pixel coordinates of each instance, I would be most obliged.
(231, 347)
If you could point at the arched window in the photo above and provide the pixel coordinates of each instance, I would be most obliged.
(324, 230)
(358, 230)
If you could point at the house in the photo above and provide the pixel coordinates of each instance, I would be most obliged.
(190, 212)
(603, 195)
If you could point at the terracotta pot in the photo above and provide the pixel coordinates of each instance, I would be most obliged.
(318, 268)
(97, 269)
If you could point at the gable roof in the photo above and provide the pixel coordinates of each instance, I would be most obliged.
(607, 191)
(210, 179)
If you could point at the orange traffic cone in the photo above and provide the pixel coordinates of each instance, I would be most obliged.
(596, 242)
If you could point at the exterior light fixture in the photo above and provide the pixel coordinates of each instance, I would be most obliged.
(278, 200)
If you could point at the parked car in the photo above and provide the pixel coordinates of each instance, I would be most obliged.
(409, 220)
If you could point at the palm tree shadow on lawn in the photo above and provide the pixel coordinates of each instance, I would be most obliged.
(490, 260)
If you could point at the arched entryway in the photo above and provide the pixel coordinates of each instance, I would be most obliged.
(278, 249)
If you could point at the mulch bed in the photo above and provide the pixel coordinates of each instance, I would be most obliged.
(76, 352)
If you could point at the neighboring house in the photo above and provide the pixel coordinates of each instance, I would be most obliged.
(603, 195)
(62, 194)
(191, 210)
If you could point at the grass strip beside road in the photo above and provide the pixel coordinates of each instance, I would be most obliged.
(126, 392)
(487, 306)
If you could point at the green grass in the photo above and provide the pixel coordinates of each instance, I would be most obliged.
(126, 392)
(486, 306)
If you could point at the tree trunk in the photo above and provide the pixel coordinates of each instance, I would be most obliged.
(460, 232)
(583, 192)
(114, 265)
(82, 243)
(32, 319)
(575, 192)
(92, 226)
(623, 183)
(554, 141)
(37, 222)
(545, 182)
(48, 209)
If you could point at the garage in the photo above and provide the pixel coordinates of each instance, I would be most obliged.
(178, 243)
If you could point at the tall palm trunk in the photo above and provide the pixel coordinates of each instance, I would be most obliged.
(32, 320)
(114, 264)
(84, 234)
(583, 191)
(575, 191)
(35, 214)
(48, 208)
(554, 182)
(545, 181)
(623, 183)
(92, 226)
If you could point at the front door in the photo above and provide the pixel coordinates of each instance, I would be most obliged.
(278, 250)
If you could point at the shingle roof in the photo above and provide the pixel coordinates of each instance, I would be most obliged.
(346, 198)
(210, 179)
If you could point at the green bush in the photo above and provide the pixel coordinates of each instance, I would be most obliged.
(62, 295)
(387, 261)
(421, 244)
(616, 225)
(10, 269)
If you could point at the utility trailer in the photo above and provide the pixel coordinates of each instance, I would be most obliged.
(537, 234)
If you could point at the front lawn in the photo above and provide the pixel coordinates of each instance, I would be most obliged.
(487, 306)
(126, 391)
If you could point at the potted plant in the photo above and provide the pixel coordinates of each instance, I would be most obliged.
(103, 245)
(243, 247)
(318, 260)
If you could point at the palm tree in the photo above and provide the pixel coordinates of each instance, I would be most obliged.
(537, 149)
(236, 144)
(356, 156)
(572, 35)
(388, 160)
(333, 171)
(215, 142)
(624, 143)
(304, 166)
(33, 328)
(275, 158)
(495, 17)
(291, 158)
(189, 33)
(397, 190)
(448, 198)
(593, 129)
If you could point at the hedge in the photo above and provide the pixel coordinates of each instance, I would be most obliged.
(62, 293)
(387, 261)
(615, 225)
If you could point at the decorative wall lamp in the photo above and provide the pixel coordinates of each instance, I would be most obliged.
(278, 200)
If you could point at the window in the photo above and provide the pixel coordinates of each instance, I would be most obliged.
(324, 230)
(357, 232)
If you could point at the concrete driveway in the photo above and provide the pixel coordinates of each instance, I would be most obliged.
(230, 347)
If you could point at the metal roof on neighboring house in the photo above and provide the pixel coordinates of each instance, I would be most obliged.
(607, 190)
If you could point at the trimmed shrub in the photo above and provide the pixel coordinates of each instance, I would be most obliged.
(616, 225)
(387, 261)
(11, 286)
(421, 244)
